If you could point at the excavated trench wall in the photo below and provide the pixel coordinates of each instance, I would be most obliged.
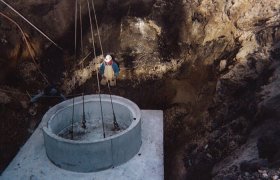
(205, 59)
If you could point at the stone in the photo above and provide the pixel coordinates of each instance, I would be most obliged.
(265, 175)
(223, 64)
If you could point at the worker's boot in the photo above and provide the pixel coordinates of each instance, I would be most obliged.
(103, 81)
(113, 82)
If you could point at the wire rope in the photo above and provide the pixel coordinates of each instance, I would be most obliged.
(97, 28)
(95, 56)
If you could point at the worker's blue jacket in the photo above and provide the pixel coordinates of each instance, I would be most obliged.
(114, 66)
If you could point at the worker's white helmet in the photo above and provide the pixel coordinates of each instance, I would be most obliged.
(108, 58)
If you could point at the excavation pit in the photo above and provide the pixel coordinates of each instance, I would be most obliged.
(86, 149)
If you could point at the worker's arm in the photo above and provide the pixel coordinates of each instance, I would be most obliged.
(101, 69)
(116, 69)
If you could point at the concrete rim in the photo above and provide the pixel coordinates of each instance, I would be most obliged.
(50, 114)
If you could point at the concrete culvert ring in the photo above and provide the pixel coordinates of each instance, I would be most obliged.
(89, 151)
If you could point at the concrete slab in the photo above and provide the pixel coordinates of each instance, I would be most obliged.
(32, 163)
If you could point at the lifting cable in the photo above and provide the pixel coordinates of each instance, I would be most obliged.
(82, 52)
(75, 41)
(9, 6)
(93, 45)
(72, 120)
(116, 125)
(84, 115)
(28, 46)
(97, 28)
(81, 27)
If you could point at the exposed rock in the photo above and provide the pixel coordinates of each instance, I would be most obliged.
(246, 159)
(243, 74)
(223, 64)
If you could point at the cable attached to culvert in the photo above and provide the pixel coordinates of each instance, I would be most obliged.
(84, 115)
(116, 125)
(72, 121)
(82, 52)
(75, 41)
(93, 45)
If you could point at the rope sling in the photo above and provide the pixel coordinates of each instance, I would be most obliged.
(9, 6)
(82, 53)
(28, 47)
(115, 123)
(97, 77)
(116, 126)
(71, 131)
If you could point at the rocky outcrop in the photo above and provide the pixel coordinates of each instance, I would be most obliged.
(243, 36)
(253, 159)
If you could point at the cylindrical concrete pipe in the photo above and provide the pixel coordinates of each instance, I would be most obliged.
(95, 152)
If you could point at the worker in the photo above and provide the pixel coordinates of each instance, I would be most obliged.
(50, 90)
(109, 71)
